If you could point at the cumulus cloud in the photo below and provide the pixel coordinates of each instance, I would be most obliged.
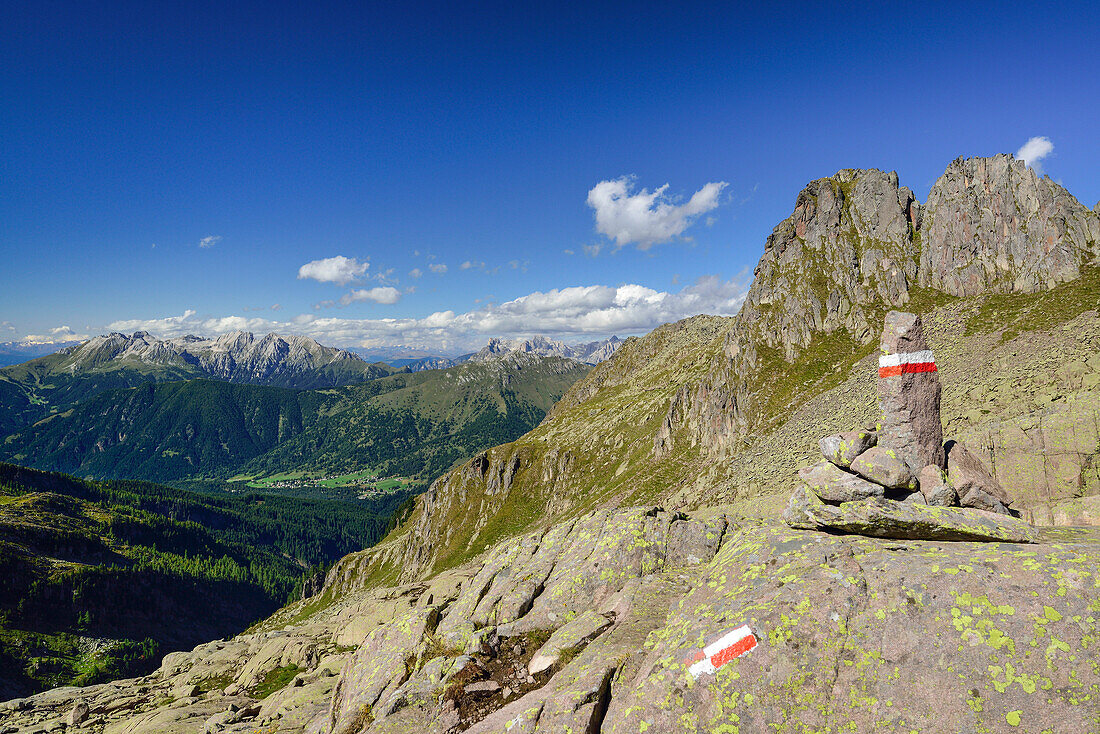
(646, 218)
(472, 264)
(56, 335)
(383, 294)
(415, 273)
(208, 241)
(573, 314)
(1034, 151)
(7, 326)
(438, 268)
(340, 270)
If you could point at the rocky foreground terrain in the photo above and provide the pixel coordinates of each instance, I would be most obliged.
(541, 587)
(594, 624)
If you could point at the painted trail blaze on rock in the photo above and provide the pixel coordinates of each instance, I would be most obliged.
(908, 363)
(909, 392)
(731, 645)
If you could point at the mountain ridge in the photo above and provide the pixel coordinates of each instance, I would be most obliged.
(853, 248)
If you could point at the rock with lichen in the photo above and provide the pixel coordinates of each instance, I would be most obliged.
(842, 448)
(833, 484)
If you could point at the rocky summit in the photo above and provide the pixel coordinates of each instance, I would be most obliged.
(744, 524)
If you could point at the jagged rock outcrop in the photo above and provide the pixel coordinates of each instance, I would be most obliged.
(994, 224)
(848, 245)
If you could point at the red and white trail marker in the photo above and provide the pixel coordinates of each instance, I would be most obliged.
(727, 647)
(906, 363)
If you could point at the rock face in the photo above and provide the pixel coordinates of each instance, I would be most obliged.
(909, 392)
(978, 643)
(993, 224)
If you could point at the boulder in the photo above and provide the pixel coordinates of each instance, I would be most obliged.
(77, 714)
(572, 636)
(882, 466)
(842, 448)
(187, 690)
(882, 518)
(379, 666)
(974, 484)
(935, 488)
(909, 393)
(833, 484)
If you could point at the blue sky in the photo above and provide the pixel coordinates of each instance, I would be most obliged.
(512, 137)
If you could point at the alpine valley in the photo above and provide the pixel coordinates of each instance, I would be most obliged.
(577, 561)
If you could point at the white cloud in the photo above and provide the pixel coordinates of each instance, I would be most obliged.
(472, 264)
(574, 314)
(384, 294)
(415, 273)
(646, 218)
(209, 241)
(340, 270)
(438, 268)
(55, 336)
(276, 306)
(7, 326)
(1034, 151)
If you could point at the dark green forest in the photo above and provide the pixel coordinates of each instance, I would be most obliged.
(150, 569)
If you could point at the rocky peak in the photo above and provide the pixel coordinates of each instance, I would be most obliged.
(994, 224)
(590, 353)
(849, 242)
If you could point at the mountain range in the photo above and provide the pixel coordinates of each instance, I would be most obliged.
(55, 383)
(590, 353)
(405, 424)
(592, 574)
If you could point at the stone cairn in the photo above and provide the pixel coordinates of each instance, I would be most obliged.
(904, 458)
